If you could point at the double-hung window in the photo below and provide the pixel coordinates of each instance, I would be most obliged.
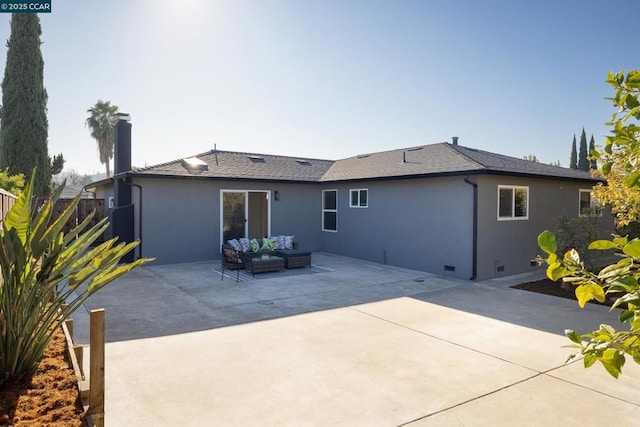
(359, 198)
(513, 202)
(330, 210)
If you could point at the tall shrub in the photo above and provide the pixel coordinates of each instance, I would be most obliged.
(23, 122)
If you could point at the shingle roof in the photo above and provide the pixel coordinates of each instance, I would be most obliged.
(493, 162)
(234, 165)
(441, 159)
(427, 160)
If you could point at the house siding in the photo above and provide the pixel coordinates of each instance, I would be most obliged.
(422, 224)
(508, 247)
(181, 218)
(419, 223)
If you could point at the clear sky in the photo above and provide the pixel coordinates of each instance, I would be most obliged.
(333, 79)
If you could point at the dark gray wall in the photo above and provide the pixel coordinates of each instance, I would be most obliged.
(181, 218)
(514, 244)
(423, 224)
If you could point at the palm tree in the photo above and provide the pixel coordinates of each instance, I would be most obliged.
(101, 120)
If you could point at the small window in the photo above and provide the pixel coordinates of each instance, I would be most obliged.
(513, 202)
(359, 198)
(588, 205)
(329, 210)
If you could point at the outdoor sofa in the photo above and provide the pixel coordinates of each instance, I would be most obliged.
(283, 247)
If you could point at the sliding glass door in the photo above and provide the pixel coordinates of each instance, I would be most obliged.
(244, 214)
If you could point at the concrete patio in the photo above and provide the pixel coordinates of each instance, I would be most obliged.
(365, 344)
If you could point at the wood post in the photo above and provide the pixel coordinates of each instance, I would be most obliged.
(96, 366)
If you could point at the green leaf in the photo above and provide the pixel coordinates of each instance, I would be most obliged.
(633, 77)
(632, 179)
(603, 245)
(572, 256)
(556, 271)
(632, 249)
(589, 291)
(589, 360)
(547, 242)
(613, 362)
(19, 215)
(573, 336)
(625, 315)
(621, 241)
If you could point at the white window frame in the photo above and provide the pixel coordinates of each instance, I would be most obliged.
(593, 203)
(513, 216)
(325, 210)
(358, 191)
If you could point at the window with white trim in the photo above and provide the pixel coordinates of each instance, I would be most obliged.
(513, 202)
(359, 198)
(330, 210)
(588, 205)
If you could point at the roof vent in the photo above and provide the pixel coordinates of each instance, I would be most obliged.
(363, 156)
(303, 162)
(256, 159)
(454, 139)
(194, 164)
(415, 148)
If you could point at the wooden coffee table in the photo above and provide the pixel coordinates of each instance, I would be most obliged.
(267, 264)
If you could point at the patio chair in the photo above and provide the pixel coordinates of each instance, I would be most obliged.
(231, 261)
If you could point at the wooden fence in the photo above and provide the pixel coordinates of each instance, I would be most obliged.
(84, 208)
(6, 202)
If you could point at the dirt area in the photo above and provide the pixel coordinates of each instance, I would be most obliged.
(549, 287)
(48, 398)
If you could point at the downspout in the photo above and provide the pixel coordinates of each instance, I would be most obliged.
(475, 228)
(139, 187)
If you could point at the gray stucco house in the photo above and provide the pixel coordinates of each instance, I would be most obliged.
(441, 208)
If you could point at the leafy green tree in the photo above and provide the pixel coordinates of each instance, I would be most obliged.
(583, 161)
(102, 118)
(42, 270)
(23, 120)
(623, 200)
(620, 159)
(593, 162)
(573, 160)
(57, 164)
(11, 183)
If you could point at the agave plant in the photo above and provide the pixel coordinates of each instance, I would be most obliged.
(42, 270)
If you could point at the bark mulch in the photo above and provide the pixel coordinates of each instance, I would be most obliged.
(50, 397)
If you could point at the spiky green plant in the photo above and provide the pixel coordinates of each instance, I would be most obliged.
(42, 270)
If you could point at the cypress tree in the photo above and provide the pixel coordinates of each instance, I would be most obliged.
(593, 164)
(23, 119)
(573, 160)
(583, 162)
